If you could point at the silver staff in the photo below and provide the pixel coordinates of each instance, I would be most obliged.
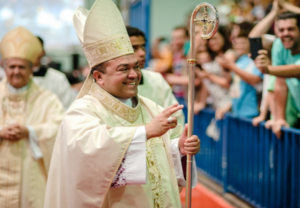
(205, 20)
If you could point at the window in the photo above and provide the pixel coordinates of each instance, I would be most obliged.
(49, 19)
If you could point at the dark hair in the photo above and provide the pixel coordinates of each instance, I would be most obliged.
(245, 27)
(242, 35)
(186, 32)
(72, 79)
(289, 15)
(133, 31)
(41, 40)
(100, 68)
(225, 35)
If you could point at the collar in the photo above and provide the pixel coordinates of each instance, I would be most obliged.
(115, 105)
(127, 102)
(14, 90)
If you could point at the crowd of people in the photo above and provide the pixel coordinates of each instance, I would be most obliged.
(227, 77)
(95, 110)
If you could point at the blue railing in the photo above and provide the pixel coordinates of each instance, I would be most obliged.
(251, 162)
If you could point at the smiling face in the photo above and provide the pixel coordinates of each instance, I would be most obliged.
(18, 71)
(289, 33)
(241, 45)
(121, 78)
(216, 43)
(139, 46)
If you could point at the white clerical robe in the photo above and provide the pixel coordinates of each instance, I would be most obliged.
(56, 82)
(24, 164)
(133, 167)
(154, 87)
(96, 138)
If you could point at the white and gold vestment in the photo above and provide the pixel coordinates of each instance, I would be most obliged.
(93, 139)
(24, 164)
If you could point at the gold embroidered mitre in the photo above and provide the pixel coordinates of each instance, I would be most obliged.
(102, 34)
(20, 43)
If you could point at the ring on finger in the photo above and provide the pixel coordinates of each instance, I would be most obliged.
(170, 120)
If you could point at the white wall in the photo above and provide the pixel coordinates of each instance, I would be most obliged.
(167, 14)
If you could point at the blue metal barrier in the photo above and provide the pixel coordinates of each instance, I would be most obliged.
(251, 162)
(210, 156)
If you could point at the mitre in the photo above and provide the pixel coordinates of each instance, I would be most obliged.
(20, 43)
(102, 35)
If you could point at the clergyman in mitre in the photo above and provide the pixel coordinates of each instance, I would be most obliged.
(114, 148)
(29, 121)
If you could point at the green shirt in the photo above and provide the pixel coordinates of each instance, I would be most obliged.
(283, 56)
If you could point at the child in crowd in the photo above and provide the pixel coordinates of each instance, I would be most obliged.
(246, 81)
(216, 80)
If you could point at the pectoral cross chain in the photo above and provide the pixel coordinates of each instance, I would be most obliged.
(205, 20)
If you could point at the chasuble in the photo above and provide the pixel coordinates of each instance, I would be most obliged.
(94, 139)
(24, 164)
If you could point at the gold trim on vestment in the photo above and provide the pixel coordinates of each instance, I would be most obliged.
(163, 139)
(154, 173)
(132, 115)
(108, 49)
(114, 105)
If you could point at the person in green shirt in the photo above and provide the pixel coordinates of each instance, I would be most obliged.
(286, 67)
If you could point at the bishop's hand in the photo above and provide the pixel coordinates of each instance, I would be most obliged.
(4, 133)
(14, 132)
(162, 123)
(187, 145)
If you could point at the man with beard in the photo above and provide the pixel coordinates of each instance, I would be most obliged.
(285, 66)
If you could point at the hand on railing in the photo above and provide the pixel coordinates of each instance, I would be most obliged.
(198, 106)
(269, 124)
(220, 112)
(276, 128)
(257, 120)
